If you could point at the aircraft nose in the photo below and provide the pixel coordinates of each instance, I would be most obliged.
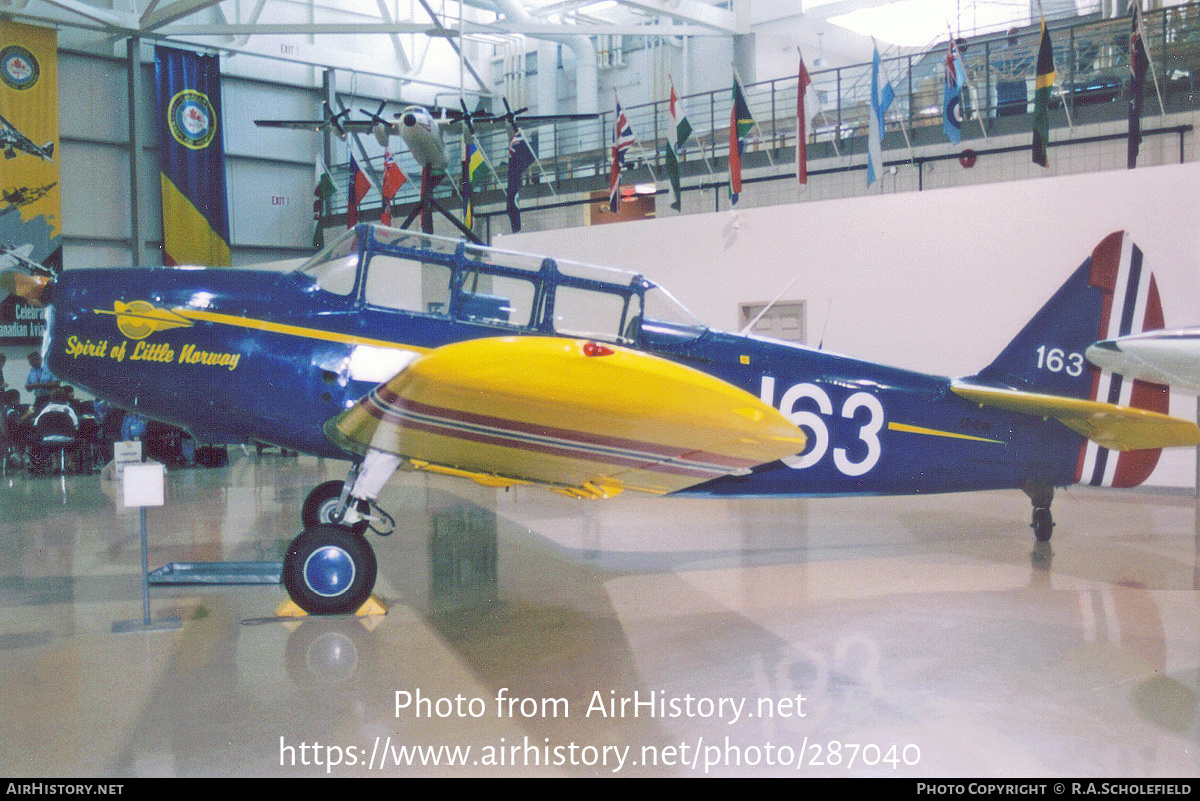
(409, 120)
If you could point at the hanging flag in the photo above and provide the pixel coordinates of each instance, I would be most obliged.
(471, 175)
(323, 191)
(358, 187)
(881, 99)
(682, 129)
(1139, 61)
(803, 81)
(1041, 98)
(952, 98)
(520, 156)
(31, 204)
(623, 139)
(740, 124)
(393, 179)
(191, 158)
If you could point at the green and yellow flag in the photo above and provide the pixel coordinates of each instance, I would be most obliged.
(1041, 98)
(471, 178)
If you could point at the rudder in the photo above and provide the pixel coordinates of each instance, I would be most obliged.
(1113, 293)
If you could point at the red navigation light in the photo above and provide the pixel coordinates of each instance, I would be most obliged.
(596, 349)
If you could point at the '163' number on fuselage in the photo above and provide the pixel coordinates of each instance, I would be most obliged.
(816, 426)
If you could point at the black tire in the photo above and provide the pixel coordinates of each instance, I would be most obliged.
(329, 570)
(1042, 525)
(321, 503)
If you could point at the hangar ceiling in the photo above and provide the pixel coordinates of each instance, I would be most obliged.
(401, 39)
(235, 19)
(312, 27)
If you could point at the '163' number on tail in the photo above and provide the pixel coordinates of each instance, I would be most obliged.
(814, 424)
(1056, 360)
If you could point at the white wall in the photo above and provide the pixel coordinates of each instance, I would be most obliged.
(937, 281)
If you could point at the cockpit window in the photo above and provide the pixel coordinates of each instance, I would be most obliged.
(595, 302)
(336, 276)
(399, 283)
(500, 287)
(498, 299)
(591, 313)
(662, 306)
(335, 268)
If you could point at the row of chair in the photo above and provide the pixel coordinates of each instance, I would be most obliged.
(56, 434)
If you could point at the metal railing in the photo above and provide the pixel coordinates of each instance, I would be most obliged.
(1093, 74)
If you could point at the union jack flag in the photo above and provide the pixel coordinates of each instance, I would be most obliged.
(623, 139)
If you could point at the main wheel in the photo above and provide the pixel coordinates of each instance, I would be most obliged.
(1042, 524)
(329, 570)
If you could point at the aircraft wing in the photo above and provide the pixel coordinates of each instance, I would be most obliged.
(299, 125)
(588, 419)
(1121, 428)
(341, 127)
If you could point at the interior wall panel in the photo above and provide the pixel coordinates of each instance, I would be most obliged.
(935, 281)
(95, 197)
(271, 203)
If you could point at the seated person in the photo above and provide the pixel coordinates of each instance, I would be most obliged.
(55, 427)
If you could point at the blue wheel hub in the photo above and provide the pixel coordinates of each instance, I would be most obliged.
(329, 571)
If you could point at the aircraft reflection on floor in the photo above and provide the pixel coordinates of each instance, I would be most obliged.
(915, 622)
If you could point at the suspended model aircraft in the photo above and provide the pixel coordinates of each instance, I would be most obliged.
(400, 350)
(420, 128)
(1168, 357)
(12, 140)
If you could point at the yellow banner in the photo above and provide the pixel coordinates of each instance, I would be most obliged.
(30, 202)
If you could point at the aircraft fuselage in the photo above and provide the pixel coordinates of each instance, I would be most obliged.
(238, 355)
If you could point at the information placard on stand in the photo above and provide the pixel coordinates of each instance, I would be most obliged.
(143, 484)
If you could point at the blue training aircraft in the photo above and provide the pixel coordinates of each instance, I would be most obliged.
(402, 350)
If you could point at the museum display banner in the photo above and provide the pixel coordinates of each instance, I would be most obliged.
(191, 159)
(30, 202)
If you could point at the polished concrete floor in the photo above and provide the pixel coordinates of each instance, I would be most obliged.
(846, 637)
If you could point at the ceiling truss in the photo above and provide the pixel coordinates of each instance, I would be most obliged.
(269, 28)
(179, 18)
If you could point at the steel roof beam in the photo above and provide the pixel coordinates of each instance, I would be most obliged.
(113, 19)
(697, 13)
(533, 29)
(164, 15)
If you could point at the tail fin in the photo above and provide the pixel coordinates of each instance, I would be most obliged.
(1113, 293)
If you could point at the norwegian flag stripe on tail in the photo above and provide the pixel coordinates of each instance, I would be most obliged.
(1132, 305)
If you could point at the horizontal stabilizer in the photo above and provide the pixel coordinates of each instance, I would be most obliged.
(586, 417)
(1120, 428)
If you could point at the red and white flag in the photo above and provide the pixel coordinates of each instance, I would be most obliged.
(393, 179)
